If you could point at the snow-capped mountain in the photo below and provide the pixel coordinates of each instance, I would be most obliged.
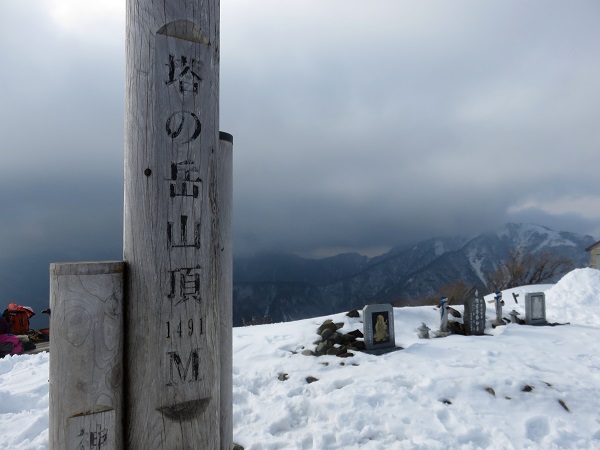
(288, 287)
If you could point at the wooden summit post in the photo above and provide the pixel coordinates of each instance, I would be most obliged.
(177, 230)
(86, 356)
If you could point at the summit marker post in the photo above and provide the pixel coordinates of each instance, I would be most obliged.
(177, 230)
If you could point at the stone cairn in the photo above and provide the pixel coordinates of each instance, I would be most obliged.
(332, 342)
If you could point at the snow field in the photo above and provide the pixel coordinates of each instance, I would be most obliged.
(431, 395)
(520, 387)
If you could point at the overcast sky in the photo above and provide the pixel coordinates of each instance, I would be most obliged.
(357, 125)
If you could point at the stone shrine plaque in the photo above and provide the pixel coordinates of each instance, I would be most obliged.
(378, 326)
(535, 308)
(474, 318)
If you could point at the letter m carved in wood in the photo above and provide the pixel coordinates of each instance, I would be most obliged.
(179, 372)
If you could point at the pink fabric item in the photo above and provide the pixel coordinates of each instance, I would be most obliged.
(18, 345)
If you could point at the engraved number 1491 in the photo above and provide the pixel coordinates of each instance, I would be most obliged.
(182, 329)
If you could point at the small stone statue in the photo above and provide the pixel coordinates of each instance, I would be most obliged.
(443, 331)
(381, 329)
(444, 314)
(499, 302)
(513, 316)
(423, 331)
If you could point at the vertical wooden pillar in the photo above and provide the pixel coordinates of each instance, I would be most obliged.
(176, 228)
(86, 356)
(226, 289)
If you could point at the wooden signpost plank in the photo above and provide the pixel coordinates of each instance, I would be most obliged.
(86, 356)
(225, 171)
(141, 353)
(177, 237)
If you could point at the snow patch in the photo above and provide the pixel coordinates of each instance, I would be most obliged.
(439, 248)
(455, 392)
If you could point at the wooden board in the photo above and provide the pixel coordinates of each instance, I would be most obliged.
(86, 355)
(177, 238)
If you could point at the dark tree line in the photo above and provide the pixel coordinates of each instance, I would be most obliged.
(521, 269)
(518, 269)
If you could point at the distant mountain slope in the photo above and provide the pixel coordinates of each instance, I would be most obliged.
(276, 267)
(288, 287)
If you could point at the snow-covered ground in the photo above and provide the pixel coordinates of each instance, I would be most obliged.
(521, 387)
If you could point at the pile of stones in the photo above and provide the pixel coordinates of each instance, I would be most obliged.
(332, 342)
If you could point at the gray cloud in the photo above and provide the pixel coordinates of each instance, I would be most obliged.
(407, 121)
(356, 126)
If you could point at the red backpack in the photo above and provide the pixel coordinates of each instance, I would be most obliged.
(17, 317)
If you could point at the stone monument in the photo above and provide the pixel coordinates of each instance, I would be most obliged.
(474, 319)
(535, 308)
(378, 325)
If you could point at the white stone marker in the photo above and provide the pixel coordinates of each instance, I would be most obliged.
(535, 308)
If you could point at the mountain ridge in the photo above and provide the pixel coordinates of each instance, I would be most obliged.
(288, 287)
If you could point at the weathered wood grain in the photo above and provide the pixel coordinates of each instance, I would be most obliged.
(86, 355)
(225, 171)
(176, 226)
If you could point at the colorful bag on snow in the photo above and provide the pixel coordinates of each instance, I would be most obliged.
(18, 318)
(10, 345)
